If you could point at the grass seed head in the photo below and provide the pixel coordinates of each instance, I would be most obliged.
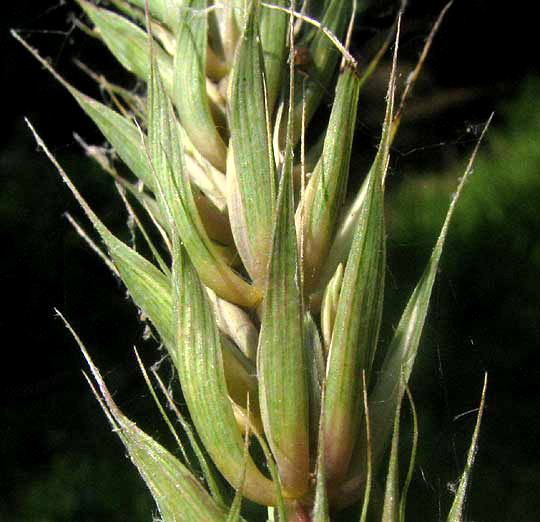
(271, 305)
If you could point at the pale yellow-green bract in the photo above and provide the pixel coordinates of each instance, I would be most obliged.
(266, 284)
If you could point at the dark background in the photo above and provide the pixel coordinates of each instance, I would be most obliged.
(60, 460)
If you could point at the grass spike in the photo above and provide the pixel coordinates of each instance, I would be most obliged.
(270, 302)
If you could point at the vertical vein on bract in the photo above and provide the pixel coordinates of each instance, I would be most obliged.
(176, 198)
(281, 360)
(252, 171)
(191, 98)
(200, 368)
(318, 212)
(273, 31)
(359, 311)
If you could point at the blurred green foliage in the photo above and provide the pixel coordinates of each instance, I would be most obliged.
(502, 192)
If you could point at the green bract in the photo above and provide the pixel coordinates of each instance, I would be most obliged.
(266, 289)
